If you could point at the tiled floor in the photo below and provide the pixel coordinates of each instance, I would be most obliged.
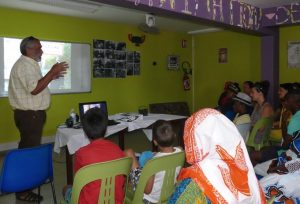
(135, 140)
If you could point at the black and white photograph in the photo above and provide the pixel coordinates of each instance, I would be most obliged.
(98, 63)
(98, 53)
(108, 63)
(121, 46)
(133, 63)
(105, 73)
(136, 56)
(111, 59)
(120, 73)
(109, 54)
(98, 44)
(130, 56)
(120, 55)
(136, 69)
(110, 45)
(129, 67)
(120, 65)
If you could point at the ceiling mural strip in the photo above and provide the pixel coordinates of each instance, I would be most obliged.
(226, 12)
(281, 15)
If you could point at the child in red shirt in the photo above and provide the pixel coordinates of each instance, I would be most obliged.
(94, 125)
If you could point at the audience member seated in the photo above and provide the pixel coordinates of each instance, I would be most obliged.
(282, 115)
(247, 86)
(94, 125)
(242, 118)
(225, 103)
(284, 176)
(223, 98)
(220, 171)
(164, 138)
(291, 133)
(262, 108)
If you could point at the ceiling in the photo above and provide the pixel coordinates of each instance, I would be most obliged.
(82, 8)
(269, 3)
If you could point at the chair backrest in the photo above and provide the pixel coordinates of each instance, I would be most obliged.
(262, 126)
(173, 108)
(104, 171)
(271, 200)
(27, 168)
(153, 166)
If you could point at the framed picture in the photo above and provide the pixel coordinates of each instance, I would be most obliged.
(223, 55)
(173, 62)
(294, 54)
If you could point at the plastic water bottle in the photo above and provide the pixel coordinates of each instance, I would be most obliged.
(73, 116)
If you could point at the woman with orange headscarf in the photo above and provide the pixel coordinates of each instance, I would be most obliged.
(220, 166)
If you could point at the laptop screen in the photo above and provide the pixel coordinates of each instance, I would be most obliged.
(83, 107)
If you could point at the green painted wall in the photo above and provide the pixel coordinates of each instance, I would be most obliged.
(243, 63)
(290, 33)
(155, 84)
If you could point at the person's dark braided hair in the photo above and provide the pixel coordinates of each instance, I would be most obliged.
(262, 87)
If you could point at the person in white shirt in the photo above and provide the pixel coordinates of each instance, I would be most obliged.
(29, 97)
(164, 138)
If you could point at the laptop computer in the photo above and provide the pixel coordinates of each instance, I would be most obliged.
(83, 107)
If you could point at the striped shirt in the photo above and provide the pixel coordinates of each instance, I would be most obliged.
(24, 78)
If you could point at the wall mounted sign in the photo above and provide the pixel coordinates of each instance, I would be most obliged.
(173, 62)
(223, 55)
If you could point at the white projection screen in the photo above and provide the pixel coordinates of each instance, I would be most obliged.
(77, 55)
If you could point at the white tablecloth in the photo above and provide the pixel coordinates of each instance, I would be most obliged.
(75, 138)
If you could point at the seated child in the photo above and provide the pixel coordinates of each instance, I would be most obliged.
(94, 125)
(284, 176)
(163, 137)
(242, 119)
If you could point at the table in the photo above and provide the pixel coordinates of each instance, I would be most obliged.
(73, 139)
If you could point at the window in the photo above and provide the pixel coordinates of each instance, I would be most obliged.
(78, 77)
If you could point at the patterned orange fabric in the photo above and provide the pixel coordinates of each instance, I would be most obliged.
(219, 161)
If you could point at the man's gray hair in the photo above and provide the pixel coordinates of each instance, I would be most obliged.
(26, 43)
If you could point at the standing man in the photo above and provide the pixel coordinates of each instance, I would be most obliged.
(29, 96)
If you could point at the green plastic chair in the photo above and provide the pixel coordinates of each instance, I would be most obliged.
(266, 125)
(153, 166)
(271, 200)
(104, 171)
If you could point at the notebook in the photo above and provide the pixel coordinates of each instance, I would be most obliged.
(83, 107)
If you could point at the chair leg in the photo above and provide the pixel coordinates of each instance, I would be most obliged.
(53, 192)
(39, 193)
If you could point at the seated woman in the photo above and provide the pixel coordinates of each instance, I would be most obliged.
(282, 115)
(220, 171)
(262, 108)
(284, 176)
(242, 119)
(247, 86)
(291, 133)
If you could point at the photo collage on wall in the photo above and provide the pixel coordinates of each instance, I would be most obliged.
(112, 60)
